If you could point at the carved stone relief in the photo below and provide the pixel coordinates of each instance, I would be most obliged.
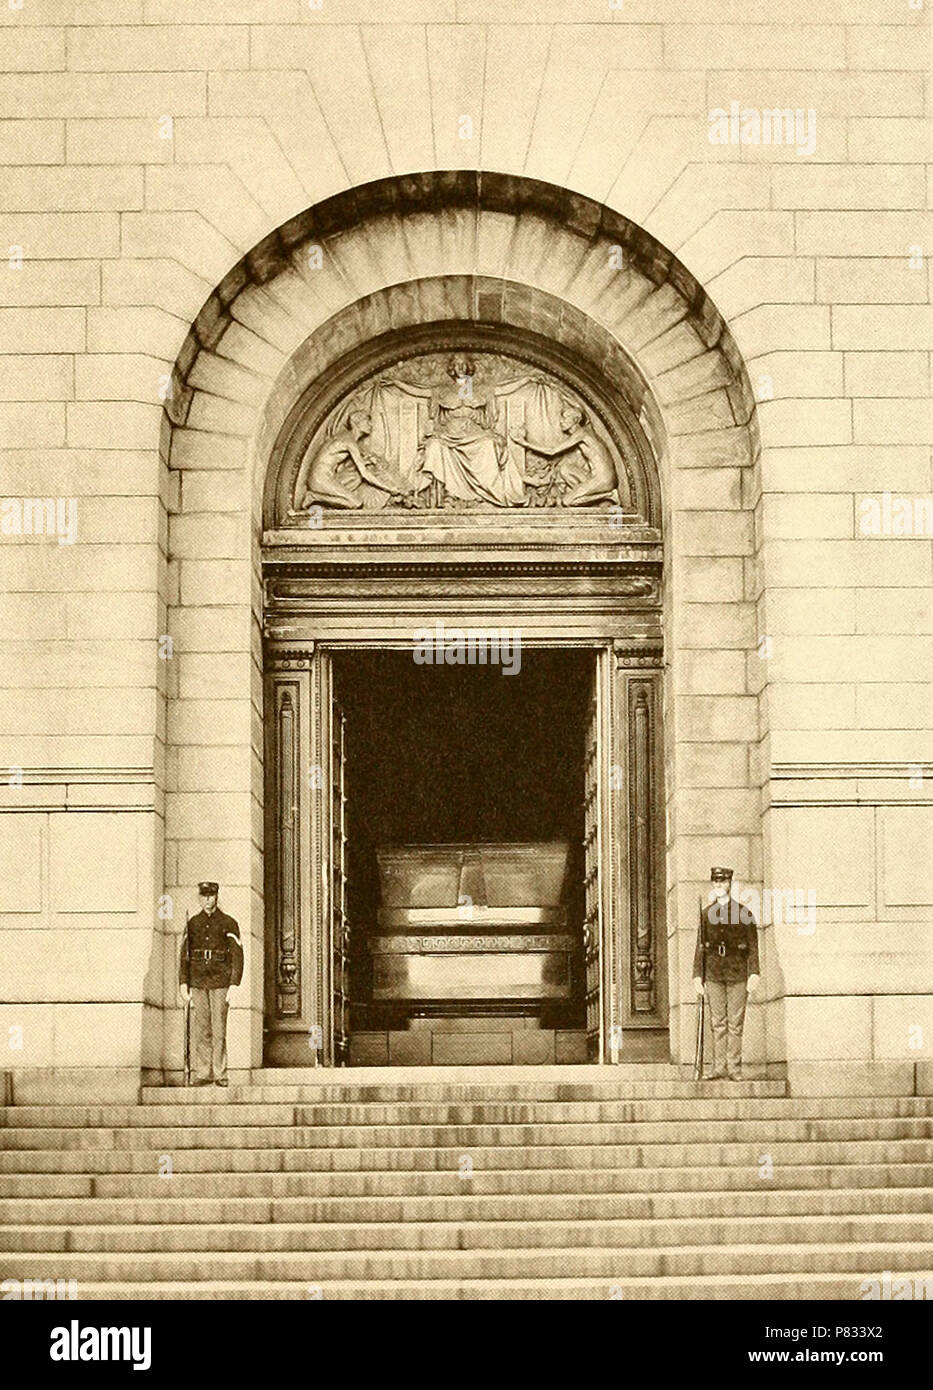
(460, 432)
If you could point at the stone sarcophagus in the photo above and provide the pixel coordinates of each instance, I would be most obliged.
(473, 925)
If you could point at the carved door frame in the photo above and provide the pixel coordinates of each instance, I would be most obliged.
(299, 697)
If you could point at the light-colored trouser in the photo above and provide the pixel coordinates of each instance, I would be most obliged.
(726, 1017)
(209, 1007)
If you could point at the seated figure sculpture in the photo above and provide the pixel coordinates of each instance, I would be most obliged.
(462, 449)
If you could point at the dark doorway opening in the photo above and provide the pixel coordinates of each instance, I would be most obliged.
(480, 765)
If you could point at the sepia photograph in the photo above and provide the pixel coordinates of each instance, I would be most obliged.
(466, 664)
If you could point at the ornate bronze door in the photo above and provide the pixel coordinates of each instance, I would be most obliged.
(636, 817)
(626, 997)
(339, 924)
(292, 1018)
(592, 870)
(307, 1008)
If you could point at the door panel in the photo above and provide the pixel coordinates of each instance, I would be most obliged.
(339, 925)
(292, 1001)
(307, 1009)
(592, 875)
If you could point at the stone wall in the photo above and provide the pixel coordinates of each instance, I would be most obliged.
(145, 158)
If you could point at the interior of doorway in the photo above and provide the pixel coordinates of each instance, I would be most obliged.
(464, 755)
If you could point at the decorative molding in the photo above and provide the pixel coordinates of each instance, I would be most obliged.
(69, 806)
(30, 790)
(281, 571)
(868, 803)
(644, 657)
(80, 776)
(441, 945)
(792, 785)
(842, 771)
(292, 659)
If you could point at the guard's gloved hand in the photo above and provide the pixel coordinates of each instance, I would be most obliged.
(184, 992)
(698, 985)
(753, 983)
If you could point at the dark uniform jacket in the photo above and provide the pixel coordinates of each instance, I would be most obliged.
(211, 953)
(727, 943)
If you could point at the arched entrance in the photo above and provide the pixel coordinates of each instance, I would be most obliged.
(527, 272)
(530, 922)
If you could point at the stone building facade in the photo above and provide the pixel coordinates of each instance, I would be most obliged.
(205, 219)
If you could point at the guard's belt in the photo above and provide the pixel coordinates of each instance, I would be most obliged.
(209, 955)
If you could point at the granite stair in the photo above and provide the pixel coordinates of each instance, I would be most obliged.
(468, 1183)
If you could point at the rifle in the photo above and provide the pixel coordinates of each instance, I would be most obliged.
(701, 1008)
(188, 1003)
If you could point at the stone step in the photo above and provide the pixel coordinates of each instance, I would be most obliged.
(764, 1287)
(531, 1127)
(308, 1093)
(486, 1156)
(442, 1078)
(518, 1181)
(505, 1263)
(464, 1112)
(654, 1206)
(555, 1234)
(707, 1137)
(615, 1183)
(434, 1158)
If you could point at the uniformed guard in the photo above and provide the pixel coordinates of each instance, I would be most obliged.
(211, 961)
(725, 964)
